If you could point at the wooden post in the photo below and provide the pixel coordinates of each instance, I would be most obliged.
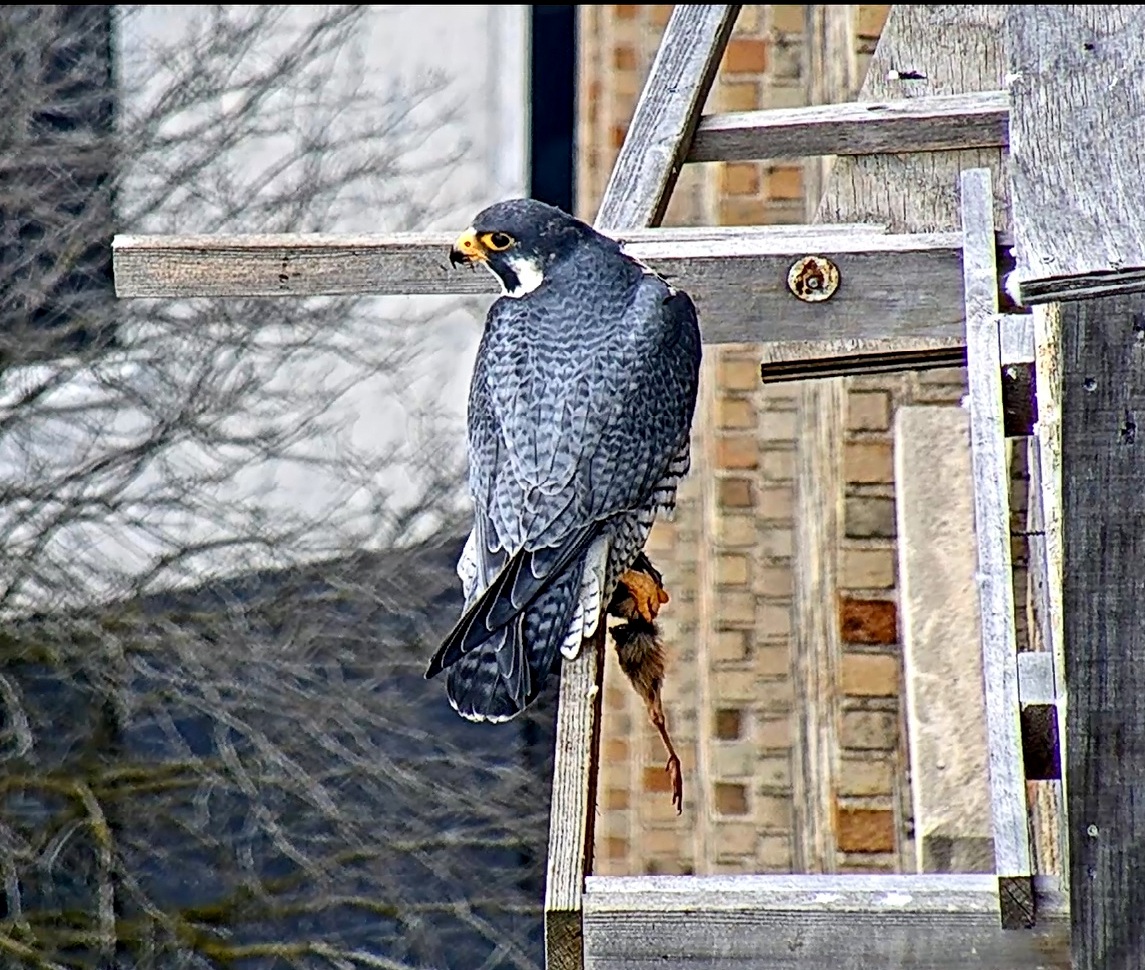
(1103, 448)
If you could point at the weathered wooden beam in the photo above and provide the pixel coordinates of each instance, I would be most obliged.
(925, 50)
(892, 286)
(1103, 469)
(891, 922)
(1013, 863)
(666, 117)
(636, 196)
(1077, 159)
(928, 124)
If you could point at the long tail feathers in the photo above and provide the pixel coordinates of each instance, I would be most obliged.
(503, 674)
(521, 580)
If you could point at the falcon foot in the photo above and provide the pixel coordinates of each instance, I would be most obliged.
(646, 591)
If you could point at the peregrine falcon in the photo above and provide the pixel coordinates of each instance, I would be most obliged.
(580, 410)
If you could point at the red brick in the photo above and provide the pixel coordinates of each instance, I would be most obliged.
(656, 779)
(737, 452)
(735, 493)
(729, 723)
(745, 55)
(624, 57)
(730, 798)
(873, 622)
(865, 830)
(785, 182)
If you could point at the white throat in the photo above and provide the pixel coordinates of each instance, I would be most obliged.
(529, 275)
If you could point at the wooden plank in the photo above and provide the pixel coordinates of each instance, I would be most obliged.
(793, 360)
(928, 124)
(1103, 468)
(739, 279)
(636, 196)
(992, 527)
(1077, 162)
(1036, 681)
(666, 117)
(892, 922)
(926, 50)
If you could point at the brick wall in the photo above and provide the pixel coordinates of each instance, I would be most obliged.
(727, 558)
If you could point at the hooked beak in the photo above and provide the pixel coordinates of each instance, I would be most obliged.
(466, 249)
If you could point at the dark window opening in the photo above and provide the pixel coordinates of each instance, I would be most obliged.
(552, 118)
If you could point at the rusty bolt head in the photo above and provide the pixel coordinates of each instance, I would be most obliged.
(813, 278)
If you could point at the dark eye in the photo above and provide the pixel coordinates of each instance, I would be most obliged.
(498, 241)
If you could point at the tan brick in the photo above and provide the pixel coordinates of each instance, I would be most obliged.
(745, 55)
(865, 830)
(864, 777)
(615, 750)
(736, 531)
(772, 661)
(774, 621)
(869, 622)
(616, 799)
(736, 840)
(659, 14)
(741, 178)
(729, 798)
(868, 411)
(773, 812)
(625, 11)
(614, 847)
(868, 730)
(733, 685)
(735, 412)
(866, 462)
(735, 493)
(733, 760)
(775, 581)
(871, 18)
(776, 543)
(738, 95)
(624, 57)
(736, 607)
(729, 645)
(870, 674)
(787, 18)
(656, 779)
(732, 569)
(663, 841)
(742, 211)
(779, 397)
(737, 452)
(785, 182)
(775, 853)
(786, 59)
(729, 723)
(778, 426)
(773, 733)
(777, 465)
(776, 502)
(662, 537)
(774, 695)
(868, 569)
(783, 95)
(773, 773)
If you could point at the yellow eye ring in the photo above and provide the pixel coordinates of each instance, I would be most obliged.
(496, 241)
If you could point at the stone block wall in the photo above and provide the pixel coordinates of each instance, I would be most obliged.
(727, 557)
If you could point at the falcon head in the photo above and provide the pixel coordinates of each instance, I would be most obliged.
(517, 241)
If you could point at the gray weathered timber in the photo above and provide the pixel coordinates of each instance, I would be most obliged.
(1077, 159)
(957, 50)
(821, 416)
(943, 123)
(1036, 681)
(1016, 334)
(1103, 473)
(992, 527)
(892, 285)
(637, 193)
(793, 360)
(891, 922)
(665, 118)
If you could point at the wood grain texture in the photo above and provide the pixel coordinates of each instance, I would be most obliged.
(892, 285)
(1103, 468)
(811, 922)
(636, 196)
(1077, 159)
(992, 526)
(821, 417)
(667, 114)
(956, 48)
(943, 123)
